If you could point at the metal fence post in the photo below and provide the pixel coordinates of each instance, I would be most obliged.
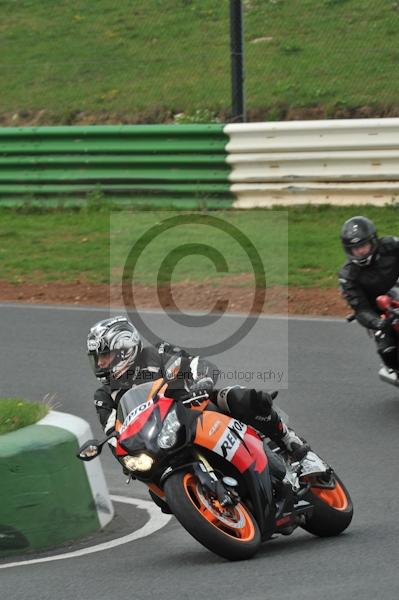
(237, 61)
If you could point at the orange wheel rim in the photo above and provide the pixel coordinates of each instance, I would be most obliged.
(234, 522)
(335, 497)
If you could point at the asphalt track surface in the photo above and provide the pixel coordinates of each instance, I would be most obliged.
(334, 398)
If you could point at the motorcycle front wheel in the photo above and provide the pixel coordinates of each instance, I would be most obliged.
(333, 508)
(230, 532)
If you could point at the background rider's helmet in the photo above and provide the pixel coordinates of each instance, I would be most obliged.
(118, 343)
(356, 232)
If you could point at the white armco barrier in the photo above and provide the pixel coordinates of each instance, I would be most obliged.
(314, 162)
(266, 195)
(370, 165)
(308, 136)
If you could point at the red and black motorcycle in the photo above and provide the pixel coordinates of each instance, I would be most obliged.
(389, 307)
(225, 485)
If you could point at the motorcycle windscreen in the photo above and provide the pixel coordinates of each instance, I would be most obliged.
(142, 417)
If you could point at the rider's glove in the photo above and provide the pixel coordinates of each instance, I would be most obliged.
(381, 324)
(200, 388)
(204, 385)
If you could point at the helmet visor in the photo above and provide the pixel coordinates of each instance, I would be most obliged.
(362, 252)
(101, 363)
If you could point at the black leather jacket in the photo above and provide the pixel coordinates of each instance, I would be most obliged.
(361, 285)
(149, 367)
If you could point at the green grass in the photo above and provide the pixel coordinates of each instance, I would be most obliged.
(54, 246)
(151, 59)
(299, 246)
(16, 413)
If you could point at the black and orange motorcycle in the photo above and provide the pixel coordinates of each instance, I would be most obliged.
(219, 477)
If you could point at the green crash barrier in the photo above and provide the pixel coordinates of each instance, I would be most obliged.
(45, 495)
(145, 160)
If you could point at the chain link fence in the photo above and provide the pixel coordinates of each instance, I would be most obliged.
(153, 61)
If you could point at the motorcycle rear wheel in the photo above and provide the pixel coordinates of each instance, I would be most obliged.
(231, 533)
(332, 512)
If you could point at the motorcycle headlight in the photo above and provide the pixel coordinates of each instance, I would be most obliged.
(168, 436)
(141, 462)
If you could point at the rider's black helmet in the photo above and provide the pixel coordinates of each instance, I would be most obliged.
(356, 232)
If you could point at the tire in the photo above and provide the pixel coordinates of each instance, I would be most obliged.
(333, 510)
(212, 526)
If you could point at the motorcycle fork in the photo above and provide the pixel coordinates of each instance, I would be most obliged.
(260, 488)
(204, 471)
(226, 495)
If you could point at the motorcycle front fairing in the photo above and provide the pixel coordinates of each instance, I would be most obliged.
(141, 416)
(139, 420)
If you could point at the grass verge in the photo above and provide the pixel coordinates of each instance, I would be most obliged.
(298, 247)
(147, 61)
(16, 413)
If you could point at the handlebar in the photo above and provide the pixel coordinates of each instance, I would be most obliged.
(196, 399)
(394, 312)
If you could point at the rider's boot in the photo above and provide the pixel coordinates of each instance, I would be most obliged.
(295, 447)
(287, 439)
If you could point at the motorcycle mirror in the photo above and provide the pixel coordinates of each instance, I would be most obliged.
(89, 450)
(93, 448)
(172, 368)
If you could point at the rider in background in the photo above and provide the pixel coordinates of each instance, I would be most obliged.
(120, 361)
(371, 269)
